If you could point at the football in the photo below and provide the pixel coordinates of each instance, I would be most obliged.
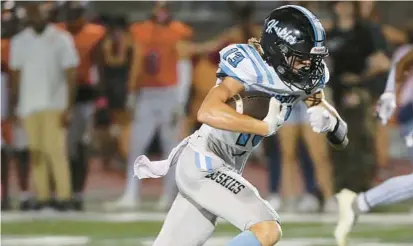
(254, 104)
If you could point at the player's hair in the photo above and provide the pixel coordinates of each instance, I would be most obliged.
(254, 42)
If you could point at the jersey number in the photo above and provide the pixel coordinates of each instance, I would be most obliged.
(243, 139)
(233, 56)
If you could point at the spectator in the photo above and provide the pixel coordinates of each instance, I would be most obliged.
(360, 65)
(161, 40)
(43, 61)
(394, 37)
(12, 134)
(86, 37)
(120, 67)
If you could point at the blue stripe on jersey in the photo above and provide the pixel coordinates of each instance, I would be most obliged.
(208, 162)
(319, 32)
(262, 63)
(323, 79)
(197, 160)
(257, 70)
(225, 69)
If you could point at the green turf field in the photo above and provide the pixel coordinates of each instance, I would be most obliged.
(140, 229)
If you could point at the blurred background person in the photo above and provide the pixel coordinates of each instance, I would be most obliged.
(359, 65)
(396, 189)
(160, 39)
(87, 37)
(14, 140)
(394, 36)
(43, 82)
(121, 65)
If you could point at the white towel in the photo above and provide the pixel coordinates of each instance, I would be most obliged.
(144, 168)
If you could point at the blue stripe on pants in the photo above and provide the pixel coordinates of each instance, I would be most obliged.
(197, 160)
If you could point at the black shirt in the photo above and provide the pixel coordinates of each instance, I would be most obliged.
(350, 49)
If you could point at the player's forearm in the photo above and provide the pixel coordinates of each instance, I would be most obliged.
(338, 137)
(224, 117)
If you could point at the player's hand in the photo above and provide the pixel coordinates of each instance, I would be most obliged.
(386, 106)
(276, 116)
(321, 120)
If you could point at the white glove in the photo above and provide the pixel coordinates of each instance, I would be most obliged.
(276, 116)
(386, 106)
(321, 120)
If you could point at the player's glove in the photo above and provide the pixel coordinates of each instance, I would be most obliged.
(386, 106)
(276, 116)
(321, 120)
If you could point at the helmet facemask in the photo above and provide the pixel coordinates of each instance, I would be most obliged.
(284, 59)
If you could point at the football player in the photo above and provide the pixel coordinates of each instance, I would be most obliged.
(287, 65)
(396, 189)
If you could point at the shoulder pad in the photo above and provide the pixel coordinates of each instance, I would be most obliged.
(236, 63)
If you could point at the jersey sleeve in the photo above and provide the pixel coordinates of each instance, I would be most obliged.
(235, 63)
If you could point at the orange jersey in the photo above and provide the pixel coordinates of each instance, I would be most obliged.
(5, 53)
(85, 42)
(160, 57)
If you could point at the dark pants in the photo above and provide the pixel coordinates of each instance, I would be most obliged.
(354, 167)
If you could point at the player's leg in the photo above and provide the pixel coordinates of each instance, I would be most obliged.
(319, 152)
(228, 195)
(143, 129)
(351, 205)
(186, 224)
(288, 136)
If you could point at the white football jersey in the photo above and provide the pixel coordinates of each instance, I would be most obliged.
(243, 63)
